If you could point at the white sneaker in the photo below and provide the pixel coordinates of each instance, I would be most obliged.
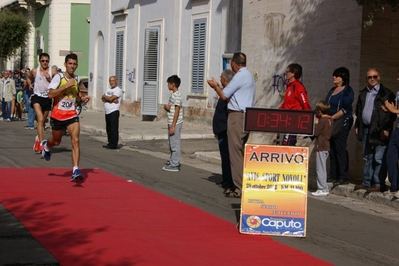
(396, 195)
(320, 193)
(8, 120)
(388, 193)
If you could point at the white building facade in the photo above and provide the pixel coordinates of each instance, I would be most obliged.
(145, 42)
(58, 28)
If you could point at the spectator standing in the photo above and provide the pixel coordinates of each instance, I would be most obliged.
(16, 104)
(340, 97)
(174, 107)
(64, 89)
(8, 91)
(393, 150)
(373, 127)
(295, 97)
(322, 133)
(28, 91)
(40, 101)
(111, 99)
(219, 125)
(241, 95)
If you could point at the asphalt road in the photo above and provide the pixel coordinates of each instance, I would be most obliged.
(339, 230)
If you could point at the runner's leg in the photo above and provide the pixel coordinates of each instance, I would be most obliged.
(55, 139)
(40, 115)
(74, 132)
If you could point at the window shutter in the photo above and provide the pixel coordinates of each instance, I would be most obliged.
(149, 104)
(119, 58)
(198, 59)
(151, 55)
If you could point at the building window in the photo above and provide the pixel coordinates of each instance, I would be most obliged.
(198, 57)
(119, 58)
(151, 54)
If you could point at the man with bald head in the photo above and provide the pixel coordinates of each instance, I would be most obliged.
(373, 127)
(112, 102)
(241, 95)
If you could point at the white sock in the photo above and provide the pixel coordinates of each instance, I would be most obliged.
(74, 168)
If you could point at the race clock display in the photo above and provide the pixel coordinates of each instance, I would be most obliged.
(279, 121)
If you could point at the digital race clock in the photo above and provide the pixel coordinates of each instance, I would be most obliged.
(279, 121)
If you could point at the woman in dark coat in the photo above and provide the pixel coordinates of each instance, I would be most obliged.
(341, 98)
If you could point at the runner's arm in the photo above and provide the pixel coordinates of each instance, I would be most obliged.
(55, 90)
(31, 74)
(82, 93)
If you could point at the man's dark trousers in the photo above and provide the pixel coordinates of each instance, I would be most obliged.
(112, 127)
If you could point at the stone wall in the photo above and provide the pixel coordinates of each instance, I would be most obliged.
(320, 35)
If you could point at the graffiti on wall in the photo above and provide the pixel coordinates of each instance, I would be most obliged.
(131, 75)
(279, 84)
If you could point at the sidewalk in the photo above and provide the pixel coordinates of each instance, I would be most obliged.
(133, 128)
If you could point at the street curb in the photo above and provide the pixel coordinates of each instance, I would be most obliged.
(214, 158)
(375, 197)
(128, 137)
(211, 157)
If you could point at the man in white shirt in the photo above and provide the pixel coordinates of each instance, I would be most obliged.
(112, 101)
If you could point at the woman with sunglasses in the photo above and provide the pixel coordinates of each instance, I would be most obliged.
(341, 98)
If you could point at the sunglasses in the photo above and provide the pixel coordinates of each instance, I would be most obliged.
(44, 61)
(372, 77)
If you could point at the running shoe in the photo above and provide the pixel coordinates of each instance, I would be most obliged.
(77, 176)
(45, 154)
(37, 144)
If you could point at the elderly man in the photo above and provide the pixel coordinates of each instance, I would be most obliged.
(241, 94)
(219, 125)
(112, 102)
(373, 127)
(7, 94)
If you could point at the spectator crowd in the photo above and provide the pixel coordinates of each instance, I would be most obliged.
(376, 110)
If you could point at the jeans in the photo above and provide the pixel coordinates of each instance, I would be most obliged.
(225, 158)
(392, 160)
(374, 157)
(6, 109)
(29, 110)
(339, 157)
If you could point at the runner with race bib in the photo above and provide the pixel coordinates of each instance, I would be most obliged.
(64, 89)
(39, 100)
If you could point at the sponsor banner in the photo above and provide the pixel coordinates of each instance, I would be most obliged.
(274, 196)
(268, 225)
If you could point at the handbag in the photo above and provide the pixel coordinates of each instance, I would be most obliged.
(337, 126)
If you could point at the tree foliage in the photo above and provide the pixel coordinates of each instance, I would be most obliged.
(14, 32)
(377, 6)
(380, 4)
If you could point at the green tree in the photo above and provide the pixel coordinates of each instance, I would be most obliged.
(380, 4)
(14, 33)
(377, 6)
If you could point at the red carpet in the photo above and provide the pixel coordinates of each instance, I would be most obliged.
(109, 221)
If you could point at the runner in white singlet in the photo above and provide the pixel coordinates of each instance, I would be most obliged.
(40, 102)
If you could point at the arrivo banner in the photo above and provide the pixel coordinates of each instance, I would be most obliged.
(274, 190)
